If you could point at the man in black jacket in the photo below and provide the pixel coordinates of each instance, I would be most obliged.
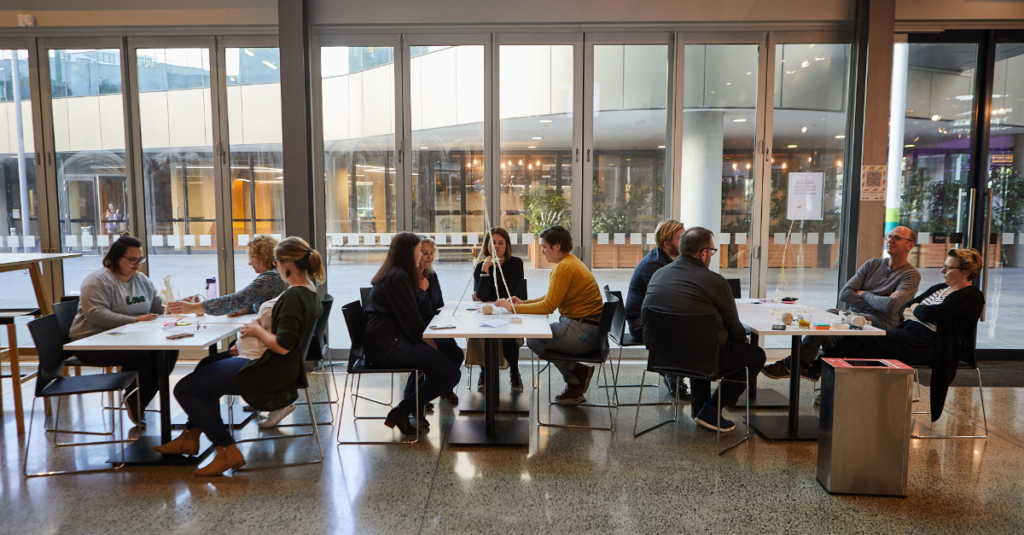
(687, 286)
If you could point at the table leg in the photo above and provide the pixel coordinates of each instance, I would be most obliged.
(792, 426)
(165, 397)
(19, 412)
(761, 398)
(488, 432)
(45, 305)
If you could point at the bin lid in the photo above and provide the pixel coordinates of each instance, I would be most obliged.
(869, 364)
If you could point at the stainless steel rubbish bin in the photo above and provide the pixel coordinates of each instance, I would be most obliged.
(864, 426)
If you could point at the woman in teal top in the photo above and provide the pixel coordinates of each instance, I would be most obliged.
(268, 383)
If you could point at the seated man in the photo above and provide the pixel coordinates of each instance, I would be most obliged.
(687, 286)
(667, 233)
(877, 292)
(572, 291)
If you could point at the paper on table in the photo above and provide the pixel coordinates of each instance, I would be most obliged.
(495, 323)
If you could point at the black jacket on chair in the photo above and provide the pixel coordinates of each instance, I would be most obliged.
(956, 323)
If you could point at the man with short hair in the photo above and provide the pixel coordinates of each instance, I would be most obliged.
(572, 291)
(877, 291)
(687, 286)
(667, 234)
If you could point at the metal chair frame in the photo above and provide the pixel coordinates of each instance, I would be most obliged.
(618, 334)
(981, 392)
(328, 303)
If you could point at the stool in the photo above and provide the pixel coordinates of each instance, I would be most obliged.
(17, 378)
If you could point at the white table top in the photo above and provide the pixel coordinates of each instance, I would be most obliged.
(202, 339)
(467, 324)
(207, 319)
(13, 259)
(758, 318)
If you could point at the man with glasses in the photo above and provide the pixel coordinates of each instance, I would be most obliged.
(877, 291)
(687, 286)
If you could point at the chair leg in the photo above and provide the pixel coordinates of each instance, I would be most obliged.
(28, 442)
(315, 432)
(355, 418)
(636, 420)
(746, 399)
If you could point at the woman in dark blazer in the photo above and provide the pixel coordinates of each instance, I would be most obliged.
(937, 330)
(431, 301)
(394, 331)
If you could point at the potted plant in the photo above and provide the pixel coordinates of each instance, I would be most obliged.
(544, 207)
(624, 218)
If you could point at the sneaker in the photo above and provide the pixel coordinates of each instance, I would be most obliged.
(516, 381)
(275, 417)
(684, 394)
(810, 371)
(584, 374)
(778, 369)
(572, 395)
(480, 381)
(708, 417)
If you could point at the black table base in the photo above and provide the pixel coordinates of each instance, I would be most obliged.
(766, 398)
(508, 403)
(141, 452)
(778, 428)
(474, 433)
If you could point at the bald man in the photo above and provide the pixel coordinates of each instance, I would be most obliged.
(879, 289)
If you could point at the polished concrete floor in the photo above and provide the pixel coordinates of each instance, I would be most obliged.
(566, 481)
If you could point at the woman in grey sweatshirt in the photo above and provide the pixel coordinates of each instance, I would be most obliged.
(115, 295)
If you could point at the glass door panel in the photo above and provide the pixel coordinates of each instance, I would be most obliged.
(178, 166)
(629, 137)
(719, 128)
(18, 198)
(448, 175)
(808, 143)
(1003, 327)
(536, 156)
(930, 192)
(254, 124)
(88, 129)
(358, 100)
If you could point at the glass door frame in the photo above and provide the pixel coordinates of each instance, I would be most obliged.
(222, 150)
(672, 176)
(578, 198)
(225, 255)
(51, 236)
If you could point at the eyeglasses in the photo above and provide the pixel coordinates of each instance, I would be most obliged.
(135, 260)
(892, 237)
(712, 249)
(947, 268)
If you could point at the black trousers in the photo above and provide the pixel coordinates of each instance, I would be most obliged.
(451, 351)
(909, 342)
(731, 356)
(143, 362)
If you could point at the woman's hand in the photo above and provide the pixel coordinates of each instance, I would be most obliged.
(487, 265)
(473, 297)
(504, 303)
(184, 307)
(233, 350)
(145, 317)
(237, 313)
(252, 328)
(516, 300)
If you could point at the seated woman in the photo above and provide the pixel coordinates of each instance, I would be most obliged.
(115, 295)
(485, 275)
(394, 331)
(430, 301)
(266, 384)
(268, 285)
(937, 328)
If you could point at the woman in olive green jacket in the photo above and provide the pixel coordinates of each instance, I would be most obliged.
(266, 384)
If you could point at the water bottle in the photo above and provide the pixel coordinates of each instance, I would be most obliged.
(211, 288)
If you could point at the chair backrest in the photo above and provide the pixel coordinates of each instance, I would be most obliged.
(364, 295)
(737, 290)
(50, 347)
(686, 344)
(319, 347)
(302, 381)
(65, 312)
(521, 292)
(353, 313)
(618, 326)
(607, 314)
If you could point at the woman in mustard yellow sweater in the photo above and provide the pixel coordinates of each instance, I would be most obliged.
(572, 291)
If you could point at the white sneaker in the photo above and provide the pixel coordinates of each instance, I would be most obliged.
(275, 417)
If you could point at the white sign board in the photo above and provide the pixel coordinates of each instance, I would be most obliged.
(805, 195)
(872, 182)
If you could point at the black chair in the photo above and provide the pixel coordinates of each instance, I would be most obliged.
(620, 335)
(734, 285)
(364, 295)
(356, 324)
(17, 377)
(696, 358)
(301, 383)
(598, 358)
(970, 364)
(51, 383)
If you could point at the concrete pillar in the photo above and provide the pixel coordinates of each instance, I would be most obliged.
(897, 120)
(701, 190)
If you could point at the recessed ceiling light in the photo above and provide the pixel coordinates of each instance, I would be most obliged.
(739, 120)
(545, 120)
(909, 146)
(790, 146)
(537, 137)
(424, 148)
(841, 136)
(803, 130)
(661, 146)
(532, 147)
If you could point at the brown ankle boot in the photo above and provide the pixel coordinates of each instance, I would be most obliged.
(585, 374)
(227, 458)
(187, 443)
(572, 395)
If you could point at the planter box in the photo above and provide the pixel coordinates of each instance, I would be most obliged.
(617, 256)
(799, 255)
(933, 255)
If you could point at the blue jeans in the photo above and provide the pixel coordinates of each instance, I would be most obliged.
(441, 374)
(569, 336)
(199, 395)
